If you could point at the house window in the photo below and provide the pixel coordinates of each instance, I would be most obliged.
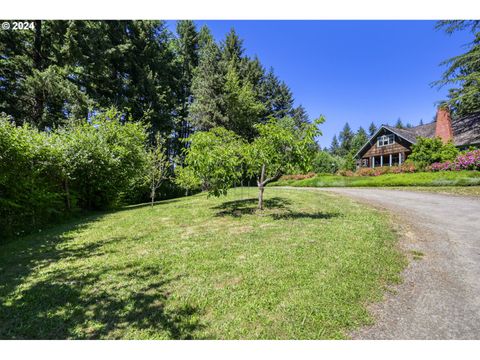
(385, 140)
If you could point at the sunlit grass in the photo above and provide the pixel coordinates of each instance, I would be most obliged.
(200, 267)
(442, 178)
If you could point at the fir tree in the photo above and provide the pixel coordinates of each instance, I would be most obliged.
(346, 138)
(372, 129)
(208, 107)
(399, 124)
(335, 146)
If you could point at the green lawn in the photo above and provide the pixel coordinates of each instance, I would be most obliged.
(443, 178)
(450, 190)
(200, 267)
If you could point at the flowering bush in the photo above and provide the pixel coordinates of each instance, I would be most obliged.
(468, 161)
(404, 168)
(298, 176)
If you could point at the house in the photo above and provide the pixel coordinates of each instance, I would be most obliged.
(391, 146)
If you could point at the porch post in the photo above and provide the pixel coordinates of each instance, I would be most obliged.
(399, 158)
(373, 161)
(390, 159)
(381, 160)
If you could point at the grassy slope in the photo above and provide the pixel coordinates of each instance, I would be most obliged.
(202, 267)
(451, 190)
(445, 178)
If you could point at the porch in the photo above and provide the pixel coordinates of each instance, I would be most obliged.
(394, 159)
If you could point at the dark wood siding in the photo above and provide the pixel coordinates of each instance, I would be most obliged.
(395, 148)
(400, 146)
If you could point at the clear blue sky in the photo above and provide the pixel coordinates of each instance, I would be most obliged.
(355, 71)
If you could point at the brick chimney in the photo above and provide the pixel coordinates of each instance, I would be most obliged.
(443, 126)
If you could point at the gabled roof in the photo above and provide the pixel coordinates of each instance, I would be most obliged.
(407, 135)
(466, 131)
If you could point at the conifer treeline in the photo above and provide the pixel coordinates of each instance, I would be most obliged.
(177, 82)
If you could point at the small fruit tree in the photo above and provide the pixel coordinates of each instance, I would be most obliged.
(219, 158)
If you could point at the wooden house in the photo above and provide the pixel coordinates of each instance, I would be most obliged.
(391, 146)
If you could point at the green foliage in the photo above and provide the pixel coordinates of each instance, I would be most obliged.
(359, 139)
(372, 129)
(324, 162)
(242, 108)
(218, 159)
(463, 71)
(85, 165)
(427, 151)
(349, 163)
(103, 157)
(281, 149)
(158, 165)
(30, 178)
(214, 160)
(346, 140)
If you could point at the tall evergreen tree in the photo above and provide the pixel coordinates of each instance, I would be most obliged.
(463, 71)
(208, 107)
(372, 129)
(300, 116)
(421, 122)
(276, 96)
(346, 138)
(359, 139)
(242, 109)
(399, 124)
(187, 61)
(335, 146)
(232, 49)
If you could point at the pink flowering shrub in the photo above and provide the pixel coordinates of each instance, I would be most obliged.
(468, 161)
(404, 168)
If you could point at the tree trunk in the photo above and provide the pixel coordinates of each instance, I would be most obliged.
(261, 188)
(152, 193)
(38, 64)
(67, 194)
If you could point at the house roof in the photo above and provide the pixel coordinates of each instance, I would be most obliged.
(466, 131)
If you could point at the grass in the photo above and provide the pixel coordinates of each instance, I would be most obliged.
(442, 178)
(202, 268)
(451, 190)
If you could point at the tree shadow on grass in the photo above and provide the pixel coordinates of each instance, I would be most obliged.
(291, 215)
(238, 208)
(70, 304)
(81, 300)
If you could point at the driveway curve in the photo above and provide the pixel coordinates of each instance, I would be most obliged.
(440, 294)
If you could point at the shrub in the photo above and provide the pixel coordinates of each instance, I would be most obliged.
(30, 178)
(326, 163)
(298, 176)
(467, 161)
(406, 167)
(428, 151)
(44, 175)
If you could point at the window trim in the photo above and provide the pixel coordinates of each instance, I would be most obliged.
(390, 138)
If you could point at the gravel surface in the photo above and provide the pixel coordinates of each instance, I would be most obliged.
(440, 294)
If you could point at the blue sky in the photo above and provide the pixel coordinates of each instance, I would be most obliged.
(355, 71)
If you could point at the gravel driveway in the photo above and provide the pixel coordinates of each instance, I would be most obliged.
(440, 295)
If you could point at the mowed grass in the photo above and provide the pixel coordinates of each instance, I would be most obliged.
(202, 268)
(472, 191)
(441, 178)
